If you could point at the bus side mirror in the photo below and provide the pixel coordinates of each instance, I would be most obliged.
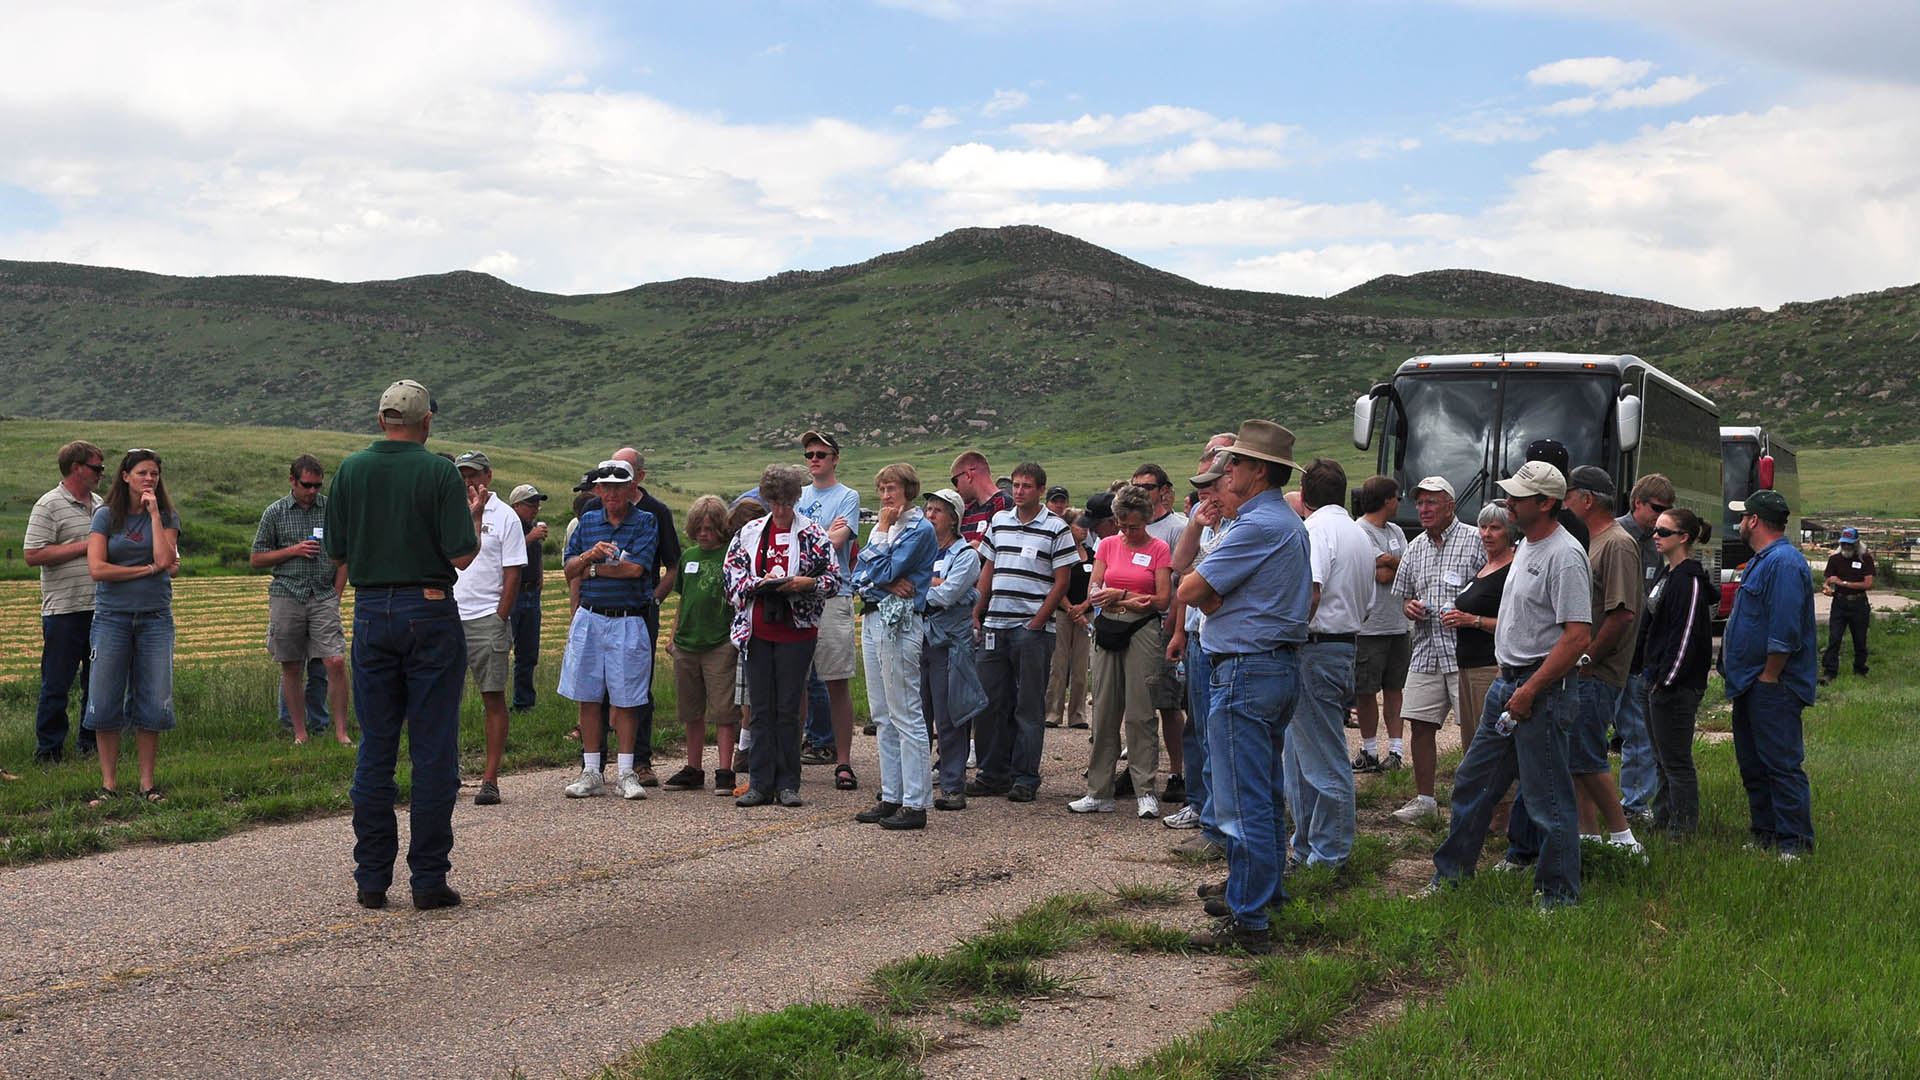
(1765, 469)
(1626, 423)
(1363, 421)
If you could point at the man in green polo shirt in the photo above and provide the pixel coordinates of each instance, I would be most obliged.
(402, 521)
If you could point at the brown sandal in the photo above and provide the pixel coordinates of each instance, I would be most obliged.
(104, 796)
(154, 795)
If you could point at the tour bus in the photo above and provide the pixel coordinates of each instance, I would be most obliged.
(1470, 417)
(1751, 458)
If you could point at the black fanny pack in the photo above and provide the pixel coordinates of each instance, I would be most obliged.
(1115, 635)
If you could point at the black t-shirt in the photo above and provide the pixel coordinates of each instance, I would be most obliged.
(1474, 648)
(1079, 579)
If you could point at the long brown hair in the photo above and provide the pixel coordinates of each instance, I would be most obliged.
(120, 505)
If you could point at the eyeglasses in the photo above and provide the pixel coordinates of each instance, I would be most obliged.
(1665, 532)
(956, 479)
(315, 486)
(1658, 509)
(817, 455)
(96, 466)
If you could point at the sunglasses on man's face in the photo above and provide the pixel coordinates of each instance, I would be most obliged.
(818, 455)
(97, 466)
(315, 486)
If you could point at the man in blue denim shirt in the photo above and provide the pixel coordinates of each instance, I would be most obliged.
(1255, 590)
(1769, 665)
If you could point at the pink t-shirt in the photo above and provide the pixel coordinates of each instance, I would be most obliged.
(1132, 568)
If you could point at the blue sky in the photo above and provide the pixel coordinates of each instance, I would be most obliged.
(1703, 152)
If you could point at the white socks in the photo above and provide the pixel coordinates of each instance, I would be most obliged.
(1371, 746)
(626, 764)
(592, 761)
(1396, 746)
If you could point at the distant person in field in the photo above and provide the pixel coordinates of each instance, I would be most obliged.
(133, 553)
(1320, 789)
(525, 501)
(1769, 664)
(404, 524)
(1209, 516)
(487, 591)
(1255, 589)
(1385, 649)
(1028, 554)
(703, 655)
(1164, 681)
(1675, 655)
(1848, 576)
(973, 479)
(892, 576)
(780, 572)
(609, 657)
(835, 507)
(303, 599)
(56, 542)
(1652, 495)
(1438, 564)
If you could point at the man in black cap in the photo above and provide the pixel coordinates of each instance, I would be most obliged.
(525, 501)
(1769, 665)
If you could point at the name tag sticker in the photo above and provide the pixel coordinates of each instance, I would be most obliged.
(1856, 566)
(989, 637)
(693, 567)
(1087, 566)
(1030, 553)
(1451, 578)
(1652, 570)
(784, 539)
(1141, 558)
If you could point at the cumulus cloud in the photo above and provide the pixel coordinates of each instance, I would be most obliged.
(1005, 101)
(1599, 72)
(1148, 125)
(979, 167)
(1663, 92)
(937, 118)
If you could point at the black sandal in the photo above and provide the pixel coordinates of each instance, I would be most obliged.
(103, 796)
(153, 795)
(844, 779)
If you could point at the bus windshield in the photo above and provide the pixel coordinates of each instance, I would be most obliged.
(1453, 420)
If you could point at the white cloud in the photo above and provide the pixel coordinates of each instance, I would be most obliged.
(1598, 72)
(1005, 101)
(1487, 128)
(1666, 91)
(1148, 125)
(778, 48)
(937, 118)
(977, 167)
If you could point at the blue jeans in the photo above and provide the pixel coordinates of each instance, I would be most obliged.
(1193, 741)
(893, 694)
(1319, 777)
(65, 651)
(1591, 703)
(1639, 776)
(820, 713)
(1008, 735)
(316, 695)
(409, 661)
(524, 624)
(1253, 700)
(131, 684)
(1536, 755)
(1767, 743)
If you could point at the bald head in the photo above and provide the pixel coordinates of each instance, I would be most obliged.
(632, 457)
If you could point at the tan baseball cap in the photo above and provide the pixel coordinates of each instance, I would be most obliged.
(1536, 478)
(406, 402)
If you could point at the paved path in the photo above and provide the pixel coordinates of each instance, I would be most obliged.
(589, 926)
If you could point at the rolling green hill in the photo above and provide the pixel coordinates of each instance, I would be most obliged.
(987, 335)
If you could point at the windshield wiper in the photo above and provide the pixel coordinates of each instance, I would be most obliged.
(1472, 486)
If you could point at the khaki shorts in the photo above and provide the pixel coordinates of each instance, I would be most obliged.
(834, 651)
(489, 639)
(1380, 663)
(303, 630)
(1474, 685)
(703, 685)
(1431, 695)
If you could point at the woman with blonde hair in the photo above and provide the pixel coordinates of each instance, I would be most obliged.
(892, 574)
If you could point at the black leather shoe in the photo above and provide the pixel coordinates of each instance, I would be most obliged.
(371, 898)
(977, 786)
(905, 818)
(1023, 793)
(435, 898)
(878, 812)
(955, 801)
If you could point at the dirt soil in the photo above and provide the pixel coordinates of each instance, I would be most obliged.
(589, 926)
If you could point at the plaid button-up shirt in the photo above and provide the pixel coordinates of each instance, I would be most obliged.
(1434, 575)
(285, 524)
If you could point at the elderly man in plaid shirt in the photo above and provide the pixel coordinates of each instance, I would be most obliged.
(1438, 564)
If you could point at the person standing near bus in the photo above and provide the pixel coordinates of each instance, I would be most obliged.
(1618, 598)
(1652, 496)
(1768, 664)
(1849, 575)
(1438, 564)
(404, 524)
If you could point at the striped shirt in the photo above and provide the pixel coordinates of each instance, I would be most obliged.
(1434, 576)
(1024, 556)
(58, 518)
(976, 518)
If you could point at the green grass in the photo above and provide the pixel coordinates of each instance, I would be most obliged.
(801, 1042)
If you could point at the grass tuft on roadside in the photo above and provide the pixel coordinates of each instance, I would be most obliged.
(800, 1042)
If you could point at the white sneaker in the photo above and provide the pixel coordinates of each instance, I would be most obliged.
(973, 759)
(1508, 866)
(629, 786)
(1633, 848)
(591, 783)
(1149, 806)
(1417, 809)
(1087, 804)
(1184, 818)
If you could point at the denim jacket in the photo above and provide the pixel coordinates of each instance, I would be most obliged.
(1772, 613)
(908, 552)
(950, 603)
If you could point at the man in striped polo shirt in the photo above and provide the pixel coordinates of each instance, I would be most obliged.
(1028, 555)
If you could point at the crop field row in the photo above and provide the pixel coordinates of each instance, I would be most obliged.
(215, 619)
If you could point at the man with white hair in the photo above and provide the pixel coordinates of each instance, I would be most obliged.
(1438, 564)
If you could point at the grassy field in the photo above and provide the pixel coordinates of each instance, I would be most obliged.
(1710, 961)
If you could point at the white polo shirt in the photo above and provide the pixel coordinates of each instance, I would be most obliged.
(477, 590)
(1342, 560)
